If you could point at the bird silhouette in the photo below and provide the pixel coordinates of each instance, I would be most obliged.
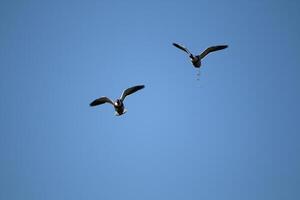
(118, 103)
(196, 60)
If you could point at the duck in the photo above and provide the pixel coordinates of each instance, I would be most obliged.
(118, 104)
(196, 60)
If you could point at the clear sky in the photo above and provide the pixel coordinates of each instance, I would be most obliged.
(232, 135)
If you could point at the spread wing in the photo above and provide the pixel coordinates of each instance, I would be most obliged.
(101, 100)
(182, 48)
(212, 49)
(131, 90)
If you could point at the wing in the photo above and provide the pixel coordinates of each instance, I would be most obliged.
(182, 48)
(212, 49)
(101, 100)
(131, 90)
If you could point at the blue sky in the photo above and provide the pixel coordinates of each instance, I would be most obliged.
(234, 134)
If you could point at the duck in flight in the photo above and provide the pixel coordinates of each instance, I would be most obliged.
(118, 104)
(196, 60)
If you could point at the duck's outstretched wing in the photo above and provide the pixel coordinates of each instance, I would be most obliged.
(212, 49)
(101, 100)
(131, 90)
(182, 48)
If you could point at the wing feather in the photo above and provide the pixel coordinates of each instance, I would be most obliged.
(100, 101)
(131, 90)
(212, 49)
(182, 48)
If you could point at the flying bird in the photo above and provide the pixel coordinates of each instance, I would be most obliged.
(118, 104)
(196, 60)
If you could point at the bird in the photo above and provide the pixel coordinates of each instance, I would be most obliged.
(118, 103)
(196, 60)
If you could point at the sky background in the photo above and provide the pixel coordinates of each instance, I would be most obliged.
(232, 135)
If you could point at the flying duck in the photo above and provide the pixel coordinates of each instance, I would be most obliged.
(118, 104)
(196, 60)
